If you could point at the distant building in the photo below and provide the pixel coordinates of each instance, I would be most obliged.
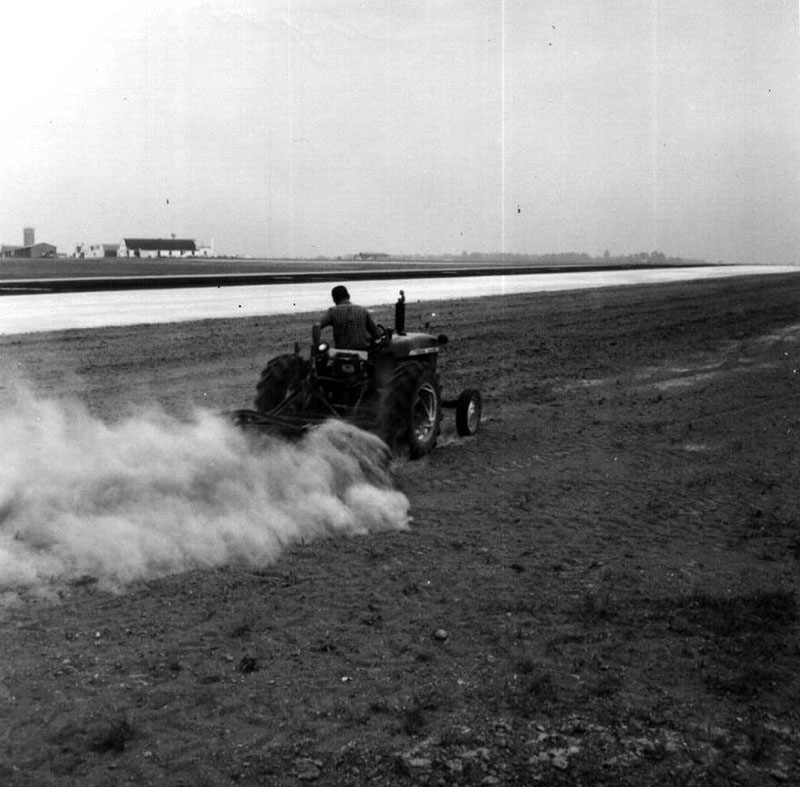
(30, 250)
(35, 252)
(97, 251)
(156, 247)
(371, 255)
(205, 250)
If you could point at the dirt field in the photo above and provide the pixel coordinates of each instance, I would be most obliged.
(599, 588)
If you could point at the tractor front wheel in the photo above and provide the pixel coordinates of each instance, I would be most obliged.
(468, 412)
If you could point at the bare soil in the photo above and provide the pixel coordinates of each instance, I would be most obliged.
(598, 588)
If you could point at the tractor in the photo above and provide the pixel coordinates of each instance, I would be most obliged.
(392, 389)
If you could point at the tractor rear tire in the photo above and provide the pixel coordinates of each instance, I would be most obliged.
(411, 414)
(280, 378)
(468, 412)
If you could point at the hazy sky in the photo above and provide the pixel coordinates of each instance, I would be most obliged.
(328, 127)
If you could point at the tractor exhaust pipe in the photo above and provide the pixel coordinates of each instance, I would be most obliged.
(400, 315)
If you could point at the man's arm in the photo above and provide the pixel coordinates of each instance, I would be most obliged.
(316, 328)
(372, 329)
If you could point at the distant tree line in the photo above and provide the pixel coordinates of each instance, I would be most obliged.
(574, 258)
(564, 258)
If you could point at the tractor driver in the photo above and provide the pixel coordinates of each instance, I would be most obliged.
(353, 326)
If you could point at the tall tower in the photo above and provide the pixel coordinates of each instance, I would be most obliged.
(28, 236)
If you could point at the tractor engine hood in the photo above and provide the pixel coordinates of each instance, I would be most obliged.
(413, 344)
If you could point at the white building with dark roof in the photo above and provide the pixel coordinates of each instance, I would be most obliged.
(156, 247)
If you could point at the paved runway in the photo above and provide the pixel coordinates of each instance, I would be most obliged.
(77, 310)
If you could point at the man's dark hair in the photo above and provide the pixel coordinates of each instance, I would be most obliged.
(340, 294)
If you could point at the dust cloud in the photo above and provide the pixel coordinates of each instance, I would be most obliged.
(153, 495)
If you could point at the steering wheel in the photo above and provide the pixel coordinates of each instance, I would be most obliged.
(382, 340)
